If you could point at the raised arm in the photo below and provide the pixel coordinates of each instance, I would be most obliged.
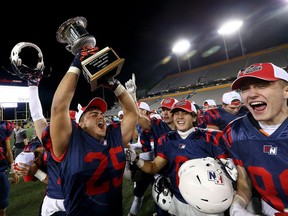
(131, 87)
(60, 123)
(129, 108)
(36, 111)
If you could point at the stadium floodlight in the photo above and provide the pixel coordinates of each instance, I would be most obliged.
(181, 47)
(229, 28)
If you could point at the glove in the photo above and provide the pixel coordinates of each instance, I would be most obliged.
(131, 87)
(230, 168)
(111, 83)
(85, 53)
(131, 155)
(237, 207)
(133, 158)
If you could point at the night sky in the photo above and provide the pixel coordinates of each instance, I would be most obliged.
(143, 33)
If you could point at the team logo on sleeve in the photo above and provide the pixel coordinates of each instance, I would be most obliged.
(270, 150)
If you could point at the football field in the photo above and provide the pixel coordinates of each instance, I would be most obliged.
(26, 198)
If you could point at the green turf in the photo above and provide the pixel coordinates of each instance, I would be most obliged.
(148, 207)
(26, 198)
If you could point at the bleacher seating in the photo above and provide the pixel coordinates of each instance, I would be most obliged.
(210, 81)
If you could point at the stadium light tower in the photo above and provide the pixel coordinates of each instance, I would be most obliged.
(181, 47)
(229, 28)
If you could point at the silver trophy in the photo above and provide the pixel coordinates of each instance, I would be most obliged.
(96, 68)
(73, 33)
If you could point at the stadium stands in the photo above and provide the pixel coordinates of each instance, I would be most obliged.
(210, 81)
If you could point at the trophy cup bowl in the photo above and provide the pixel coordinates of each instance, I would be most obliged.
(96, 68)
(73, 33)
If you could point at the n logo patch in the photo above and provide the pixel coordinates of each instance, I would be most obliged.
(213, 176)
(270, 150)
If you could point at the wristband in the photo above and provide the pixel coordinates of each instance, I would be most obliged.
(240, 200)
(139, 162)
(119, 90)
(40, 175)
(75, 70)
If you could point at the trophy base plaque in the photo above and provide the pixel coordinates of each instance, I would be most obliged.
(100, 66)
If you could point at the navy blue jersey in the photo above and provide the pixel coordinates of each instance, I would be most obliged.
(146, 139)
(158, 128)
(265, 158)
(199, 144)
(6, 130)
(201, 121)
(91, 173)
(54, 187)
(220, 117)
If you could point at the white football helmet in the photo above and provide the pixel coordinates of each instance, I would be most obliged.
(161, 192)
(30, 73)
(205, 186)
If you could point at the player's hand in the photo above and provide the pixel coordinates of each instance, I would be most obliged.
(35, 78)
(230, 168)
(15, 178)
(131, 155)
(82, 55)
(131, 85)
(111, 83)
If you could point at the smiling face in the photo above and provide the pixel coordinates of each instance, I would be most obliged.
(184, 120)
(93, 122)
(267, 101)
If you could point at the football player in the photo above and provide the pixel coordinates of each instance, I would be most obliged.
(257, 142)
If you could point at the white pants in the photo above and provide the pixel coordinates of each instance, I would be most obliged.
(50, 206)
